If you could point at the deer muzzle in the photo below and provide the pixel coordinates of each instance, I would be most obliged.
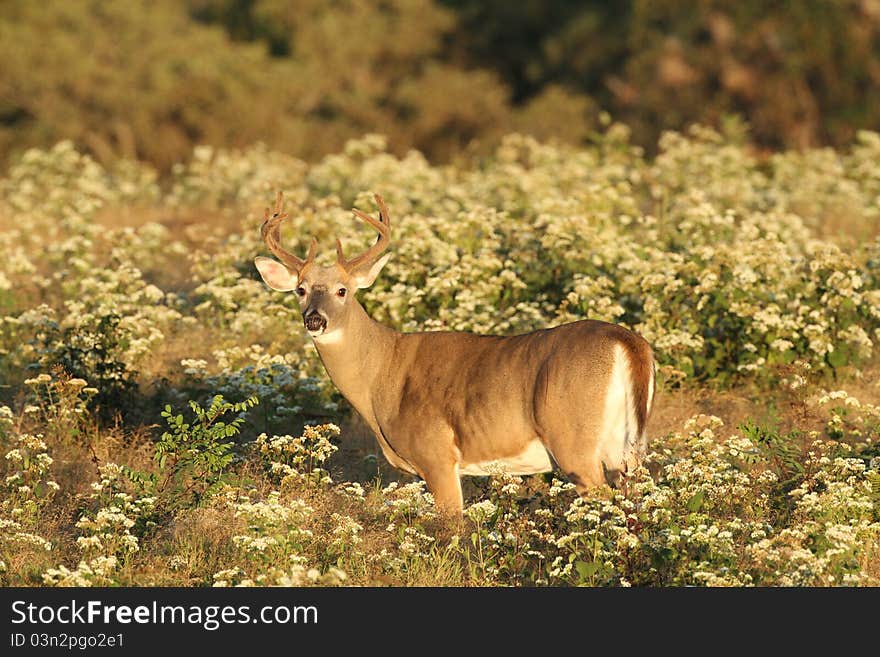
(315, 321)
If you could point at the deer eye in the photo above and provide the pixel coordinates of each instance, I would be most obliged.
(341, 292)
(300, 290)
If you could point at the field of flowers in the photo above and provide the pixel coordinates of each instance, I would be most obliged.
(164, 419)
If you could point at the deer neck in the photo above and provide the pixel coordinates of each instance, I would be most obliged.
(355, 353)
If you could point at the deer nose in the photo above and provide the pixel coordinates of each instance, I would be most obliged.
(315, 321)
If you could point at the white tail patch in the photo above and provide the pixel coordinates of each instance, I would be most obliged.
(532, 460)
(619, 441)
(641, 443)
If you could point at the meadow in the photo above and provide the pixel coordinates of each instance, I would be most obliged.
(165, 420)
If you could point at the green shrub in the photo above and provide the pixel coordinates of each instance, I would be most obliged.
(193, 457)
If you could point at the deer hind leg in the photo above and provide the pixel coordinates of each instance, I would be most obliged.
(582, 468)
(589, 447)
(614, 432)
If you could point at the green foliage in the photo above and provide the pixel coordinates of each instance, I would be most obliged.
(782, 450)
(193, 457)
(145, 80)
(287, 398)
(151, 80)
(90, 353)
(801, 73)
(874, 479)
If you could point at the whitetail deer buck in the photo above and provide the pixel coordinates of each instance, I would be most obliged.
(445, 404)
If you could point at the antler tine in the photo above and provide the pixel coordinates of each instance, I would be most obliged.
(382, 226)
(271, 233)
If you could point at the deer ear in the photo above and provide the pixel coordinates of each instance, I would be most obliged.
(276, 275)
(367, 278)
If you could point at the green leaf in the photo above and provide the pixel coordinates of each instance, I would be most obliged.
(696, 501)
(586, 569)
(874, 479)
(837, 358)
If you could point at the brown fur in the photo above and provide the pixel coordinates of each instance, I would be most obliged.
(435, 400)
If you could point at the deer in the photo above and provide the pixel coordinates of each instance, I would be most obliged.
(444, 404)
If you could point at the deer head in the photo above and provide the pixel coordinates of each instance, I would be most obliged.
(326, 294)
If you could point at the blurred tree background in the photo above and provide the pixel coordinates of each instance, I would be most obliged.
(149, 79)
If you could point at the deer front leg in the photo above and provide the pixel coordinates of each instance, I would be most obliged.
(444, 483)
(427, 445)
(438, 466)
